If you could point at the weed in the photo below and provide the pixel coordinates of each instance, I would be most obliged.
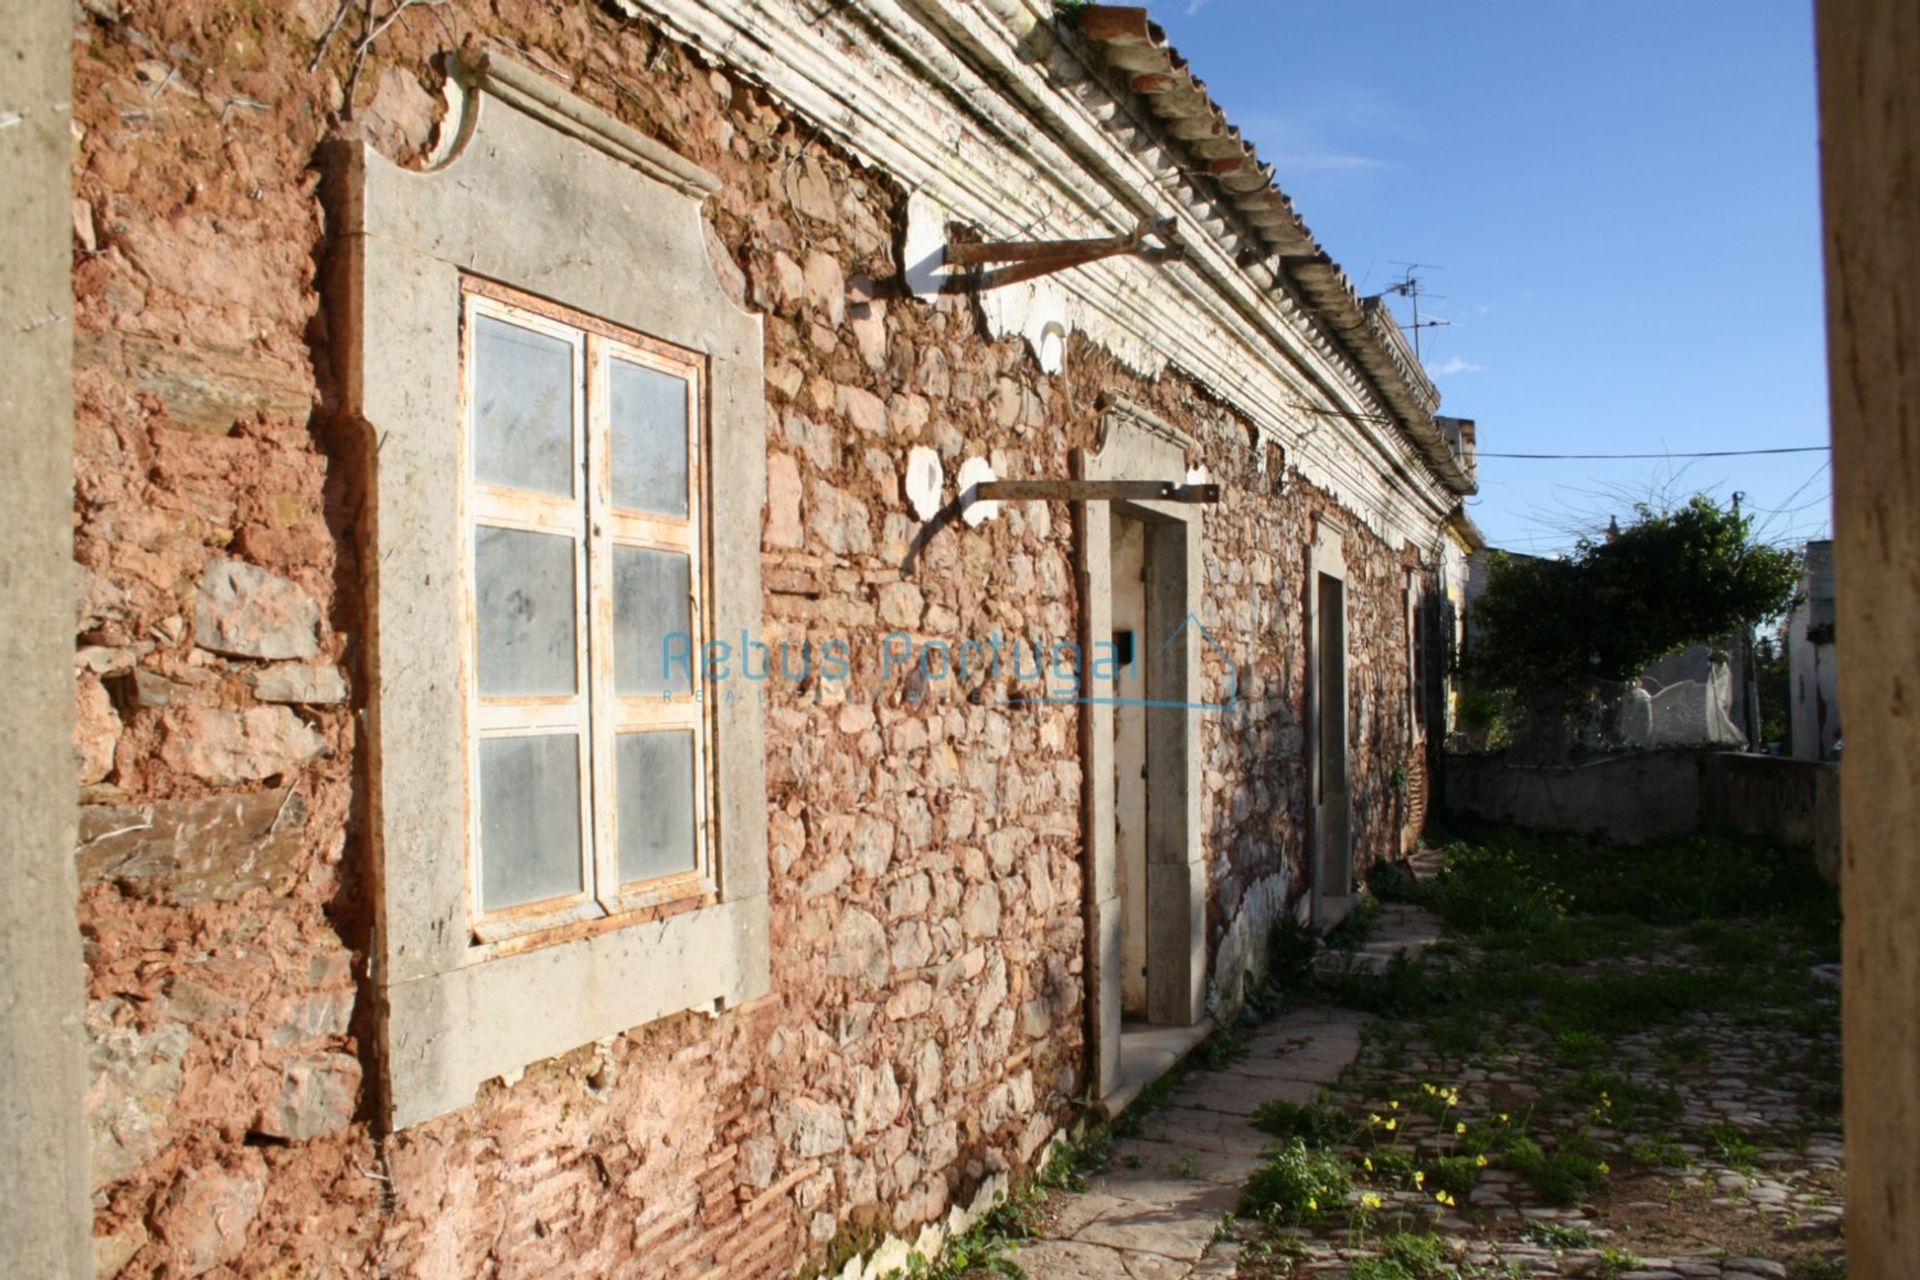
(1456, 1175)
(1817, 1268)
(1731, 1144)
(1560, 1177)
(1221, 1049)
(986, 1246)
(1291, 946)
(1353, 930)
(1621, 1102)
(1070, 1161)
(1614, 1262)
(1318, 1124)
(1661, 1151)
(1391, 1164)
(1296, 1184)
(1580, 1048)
(1405, 988)
(1394, 881)
(1185, 1168)
(1405, 1256)
(1559, 1235)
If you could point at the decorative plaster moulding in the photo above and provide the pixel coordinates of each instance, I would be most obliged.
(1036, 145)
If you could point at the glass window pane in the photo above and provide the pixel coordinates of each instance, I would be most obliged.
(652, 622)
(649, 415)
(524, 610)
(656, 811)
(522, 408)
(529, 819)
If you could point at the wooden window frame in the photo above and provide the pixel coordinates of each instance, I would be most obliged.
(596, 711)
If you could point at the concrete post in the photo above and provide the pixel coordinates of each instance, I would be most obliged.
(1870, 167)
(44, 1209)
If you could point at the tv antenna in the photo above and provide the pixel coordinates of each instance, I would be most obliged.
(1410, 287)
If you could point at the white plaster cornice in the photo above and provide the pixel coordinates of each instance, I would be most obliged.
(1031, 148)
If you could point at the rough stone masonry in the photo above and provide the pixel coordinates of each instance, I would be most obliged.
(925, 1027)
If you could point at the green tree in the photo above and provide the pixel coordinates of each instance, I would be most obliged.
(1548, 629)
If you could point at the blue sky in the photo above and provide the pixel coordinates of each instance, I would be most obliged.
(1623, 195)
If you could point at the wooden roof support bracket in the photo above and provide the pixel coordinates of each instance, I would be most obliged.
(1094, 491)
(1031, 259)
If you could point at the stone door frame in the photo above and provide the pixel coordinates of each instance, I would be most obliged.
(1327, 558)
(1134, 445)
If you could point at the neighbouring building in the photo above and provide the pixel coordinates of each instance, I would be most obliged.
(576, 775)
(1812, 664)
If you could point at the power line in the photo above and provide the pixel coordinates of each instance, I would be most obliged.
(1598, 457)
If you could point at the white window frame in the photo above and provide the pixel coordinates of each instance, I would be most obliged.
(595, 712)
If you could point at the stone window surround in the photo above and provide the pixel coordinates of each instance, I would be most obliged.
(1135, 445)
(546, 194)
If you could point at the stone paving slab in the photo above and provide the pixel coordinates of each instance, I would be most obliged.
(1077, 1260)
(1152, 1214)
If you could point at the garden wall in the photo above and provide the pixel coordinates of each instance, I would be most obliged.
(1650, 795)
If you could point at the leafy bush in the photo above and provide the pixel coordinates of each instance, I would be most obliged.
(1296, 1184)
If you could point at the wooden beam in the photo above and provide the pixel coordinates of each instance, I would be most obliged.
(1095, 491)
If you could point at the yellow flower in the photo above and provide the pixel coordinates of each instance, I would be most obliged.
(1419, 1178)
(1392, 1125)
(1443, 1198)
(1503, 1117)
(1367, 1161)
(1370, 1201)
(1313, 1206)
(1605, 1168)
(1394, 1103)
(1373, 1117)
(1479, 1162)
(1460, 1128)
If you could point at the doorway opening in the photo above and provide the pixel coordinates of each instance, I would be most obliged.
(1330, 865)
(1130, 762)
(1146, 881)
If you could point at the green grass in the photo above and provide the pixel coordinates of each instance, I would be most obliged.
(1600, 960)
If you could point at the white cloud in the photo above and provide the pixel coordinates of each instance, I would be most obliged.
(1455, 364)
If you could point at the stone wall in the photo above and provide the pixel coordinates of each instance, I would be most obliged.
(924, 1029)
(1652, 795)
